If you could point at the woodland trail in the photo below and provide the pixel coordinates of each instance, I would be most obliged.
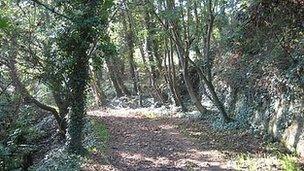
(138, 142)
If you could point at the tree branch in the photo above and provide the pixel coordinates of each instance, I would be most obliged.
(51, 9)
(4, 88)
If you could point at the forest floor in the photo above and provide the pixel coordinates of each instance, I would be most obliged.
(143, 141)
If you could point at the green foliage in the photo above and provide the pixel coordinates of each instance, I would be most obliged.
(96, 136)
(88, 17)
(4, 23)
(246, 161)
(101, 137)
(101, 131)
(256, 48)
(289, 163)
(20, 141)
(4, 12)
(251, 162)
(242, 118)
(59, 159)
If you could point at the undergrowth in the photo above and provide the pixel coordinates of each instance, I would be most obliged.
(289, 163)
(275, 156)
(95, 138)
(102, 134)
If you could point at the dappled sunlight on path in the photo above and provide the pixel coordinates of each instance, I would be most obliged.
(141, 143)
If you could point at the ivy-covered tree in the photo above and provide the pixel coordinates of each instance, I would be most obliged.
(88, 17)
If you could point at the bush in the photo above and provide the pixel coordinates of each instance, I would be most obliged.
(17, 145)
(95, 134)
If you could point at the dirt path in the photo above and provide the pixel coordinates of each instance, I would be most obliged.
(141, 141)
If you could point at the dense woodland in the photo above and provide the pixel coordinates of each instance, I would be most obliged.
(239, 64)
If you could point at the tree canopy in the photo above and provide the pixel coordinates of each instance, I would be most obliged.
(238, 62)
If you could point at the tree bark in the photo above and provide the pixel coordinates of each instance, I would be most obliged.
(171, 75)
(80, 69)
(205, 73)
(99, 95)
(234, 99)
(119, 86)
(130, 49)
(192, 94)
(182, 48)
(149, 53)
(11, 64)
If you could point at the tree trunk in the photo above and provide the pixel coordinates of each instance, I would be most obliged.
(234, 99)
(176, 87)
(189, 85)
(119, 87)
(24, 92)
(63, 106)
(182, 48)
(30, 99)
(99, 95)
(171, 75)
(168, 76)
(217, 101)
(143, 57)
(130, 49)
(119, 71)
(149, 53)
(80, 70)
(157, 56)
(205, 73)
(78, 78)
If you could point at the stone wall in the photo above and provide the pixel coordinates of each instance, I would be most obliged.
(279, 116)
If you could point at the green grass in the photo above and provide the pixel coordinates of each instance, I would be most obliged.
(246, 161)
(289, 163)
(103, 136)
(276, 155)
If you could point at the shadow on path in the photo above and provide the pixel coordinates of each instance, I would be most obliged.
(140, 143)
